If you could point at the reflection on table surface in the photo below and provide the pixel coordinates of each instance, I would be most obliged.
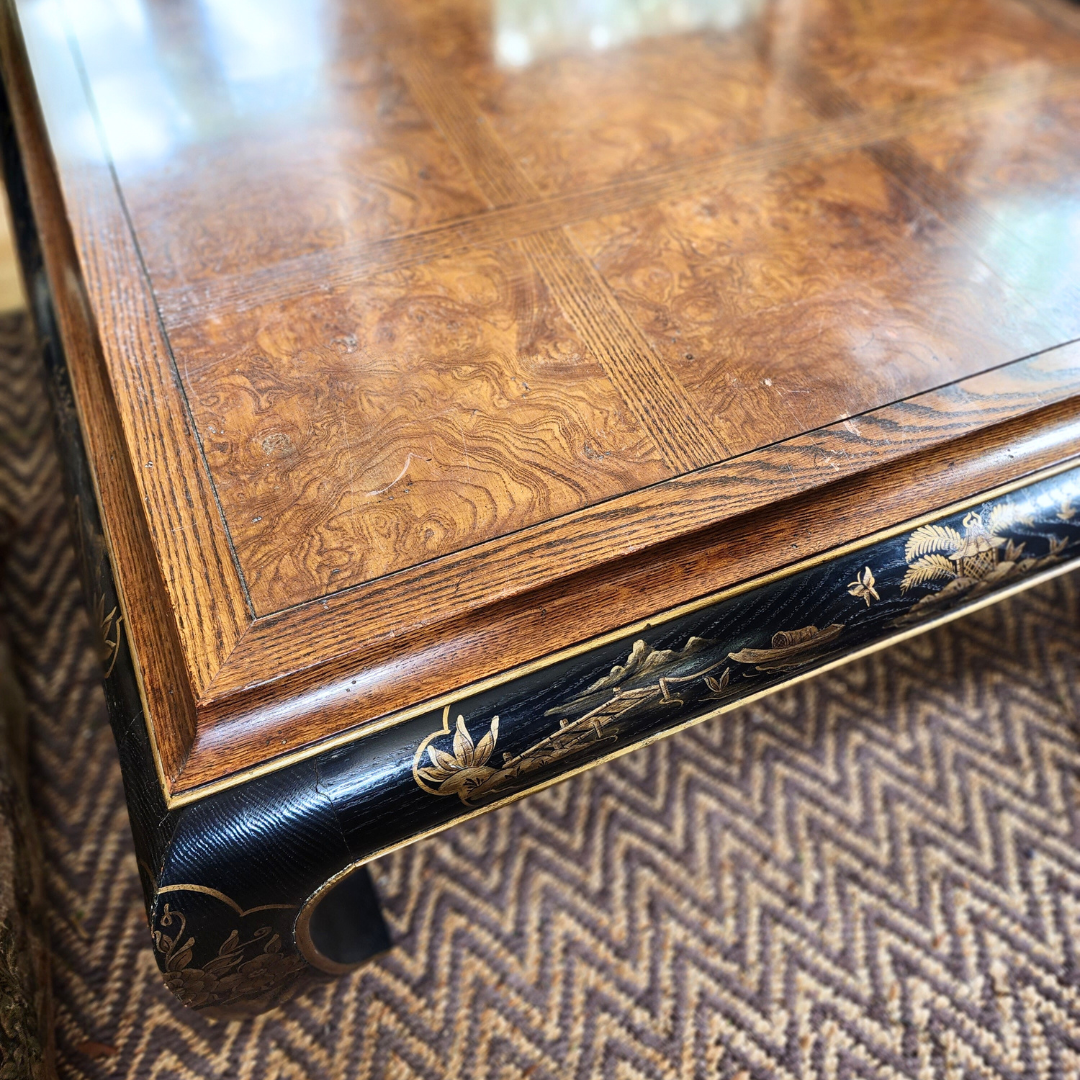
(528, 30)
(435, 271)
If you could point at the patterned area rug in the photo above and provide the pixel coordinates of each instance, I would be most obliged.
(874, 874)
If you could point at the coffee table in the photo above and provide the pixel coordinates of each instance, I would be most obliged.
(456, 395)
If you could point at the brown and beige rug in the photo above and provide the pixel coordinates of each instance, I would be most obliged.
(876, 874)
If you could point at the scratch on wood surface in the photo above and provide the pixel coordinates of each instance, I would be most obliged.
(404, 469)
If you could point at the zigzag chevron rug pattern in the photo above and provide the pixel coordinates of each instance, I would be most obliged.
(874, 874)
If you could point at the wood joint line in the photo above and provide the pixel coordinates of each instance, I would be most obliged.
(682, 434)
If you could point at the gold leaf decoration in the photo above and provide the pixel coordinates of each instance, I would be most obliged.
(928, 538)
(464, 770)
(1013, 551)
(863, 586)
(926, 569)
(1005, 514)
(653, 682)
(108, 624)
(648, 679)
(718, 686)
(976, 562)
(242, 971)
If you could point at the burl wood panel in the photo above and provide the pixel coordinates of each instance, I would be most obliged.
(751, 291)
(424, 411)
(420, 338)
(473, 391)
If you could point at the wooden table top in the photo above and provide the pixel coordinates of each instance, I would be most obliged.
(416, 340)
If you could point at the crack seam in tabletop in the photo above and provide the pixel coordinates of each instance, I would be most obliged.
(401, 716)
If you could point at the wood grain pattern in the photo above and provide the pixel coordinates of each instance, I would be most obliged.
(646, 383)
(881, 53)
(1026, 176)
(414, 342)
(992, 237)
(981, 103)
(169, 692)
(437, 626)
(753, 326)
(185, 526)
(427, 410)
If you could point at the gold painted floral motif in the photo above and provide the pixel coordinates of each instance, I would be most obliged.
(862, 588)
(648, 680)
(974, 562)
(477, 783)
(466, 768)
(109, 648)
(242, 971)
(470, 771)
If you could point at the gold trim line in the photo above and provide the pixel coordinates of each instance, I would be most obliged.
(309, 904)
(218, 895)
(371, 727)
